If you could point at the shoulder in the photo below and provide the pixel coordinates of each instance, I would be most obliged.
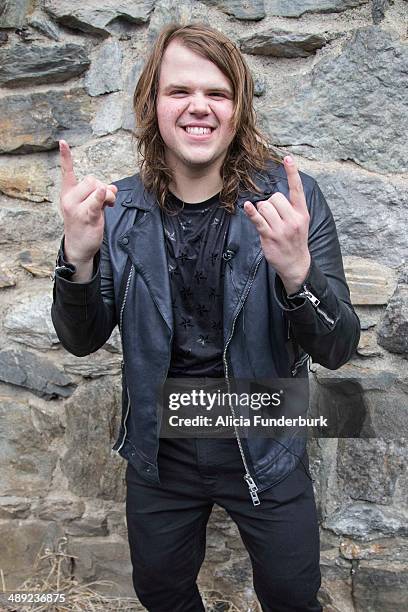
(129, 182)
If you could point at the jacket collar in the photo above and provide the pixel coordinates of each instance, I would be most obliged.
(145, 245)
(136, 196)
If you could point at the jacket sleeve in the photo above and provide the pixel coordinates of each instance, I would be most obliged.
(84, 314)
(320, 314)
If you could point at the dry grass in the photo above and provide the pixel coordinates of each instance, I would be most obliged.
(52, 574)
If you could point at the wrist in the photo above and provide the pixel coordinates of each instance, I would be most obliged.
(73, 257)
(295, 281)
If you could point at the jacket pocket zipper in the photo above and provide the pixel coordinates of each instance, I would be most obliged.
(315, 303)
(298, 364)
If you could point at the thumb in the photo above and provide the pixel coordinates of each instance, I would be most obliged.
(95, 202)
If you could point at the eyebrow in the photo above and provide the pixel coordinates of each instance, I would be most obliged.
(216, 88)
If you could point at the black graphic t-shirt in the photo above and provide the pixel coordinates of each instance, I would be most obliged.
(195, 241)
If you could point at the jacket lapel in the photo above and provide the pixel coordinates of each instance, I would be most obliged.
(145, 245)
(243, 236)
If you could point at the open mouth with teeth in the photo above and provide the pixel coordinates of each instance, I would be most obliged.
(201, 132)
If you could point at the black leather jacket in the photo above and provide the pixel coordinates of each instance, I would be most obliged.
(265, 335)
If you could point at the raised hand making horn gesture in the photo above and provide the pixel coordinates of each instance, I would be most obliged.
(82, 205)
(283, 227)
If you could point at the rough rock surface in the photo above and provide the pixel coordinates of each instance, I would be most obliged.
(351, 107)
(36, 121)
(94, 16)
(36, 64)
(283, 43)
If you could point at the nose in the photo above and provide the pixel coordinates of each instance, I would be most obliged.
(199, 104)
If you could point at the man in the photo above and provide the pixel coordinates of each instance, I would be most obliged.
(217, 260)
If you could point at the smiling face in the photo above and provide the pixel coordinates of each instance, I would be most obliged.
(194, 109)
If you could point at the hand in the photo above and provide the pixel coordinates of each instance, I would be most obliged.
(82, 205)
(283, 228)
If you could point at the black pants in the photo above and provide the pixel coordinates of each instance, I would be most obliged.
(167, 528)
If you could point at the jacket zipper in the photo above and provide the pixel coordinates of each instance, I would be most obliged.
(315, 303)
(120, 327)
(247, 477)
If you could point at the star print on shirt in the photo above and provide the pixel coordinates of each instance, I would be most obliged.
(170, 235)
(217, 325)
(183, 257)
(203, 340)
(185, 323)
(202, 310)
(199, 276)
(186, 293)
(214, 257)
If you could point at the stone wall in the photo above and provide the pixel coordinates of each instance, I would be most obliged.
(331, 82)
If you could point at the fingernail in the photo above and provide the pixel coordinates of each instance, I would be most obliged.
(288, 160)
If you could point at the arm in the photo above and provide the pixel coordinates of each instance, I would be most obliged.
(83, 313)
(323, 323)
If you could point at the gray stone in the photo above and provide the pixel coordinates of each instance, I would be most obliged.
(38, 262)
(362, 520)
(259, 85)
(37, 374)
(14, 507)
(35, 64)
(370, 282)
(36, 121)
(369, 316)
(13, 13)
(94, 16)
(283, 43)
(104, 558)
(114, 344)
(367, 346)
(47, 27)
(108, 118)
(173, 11)
(109, 159)
(360, 400)
(57, 508)
(382, 549)
(248, 10)
(104, 76)
(296, 8)
(351, 107)
(27, 454)
(369, 212)
(128, 118)
(25, 179)
(93, 419)
(393, 329)
(368, 469)
(378, 9)
(229, 580)
(20, 545)
(94, 366)
(29, 322)
(6, 279)
(3, 38)
(380, 587)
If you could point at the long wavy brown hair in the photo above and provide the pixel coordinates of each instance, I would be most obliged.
(248, 152)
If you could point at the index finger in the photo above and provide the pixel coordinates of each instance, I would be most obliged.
(67, 166)
(296, 193)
